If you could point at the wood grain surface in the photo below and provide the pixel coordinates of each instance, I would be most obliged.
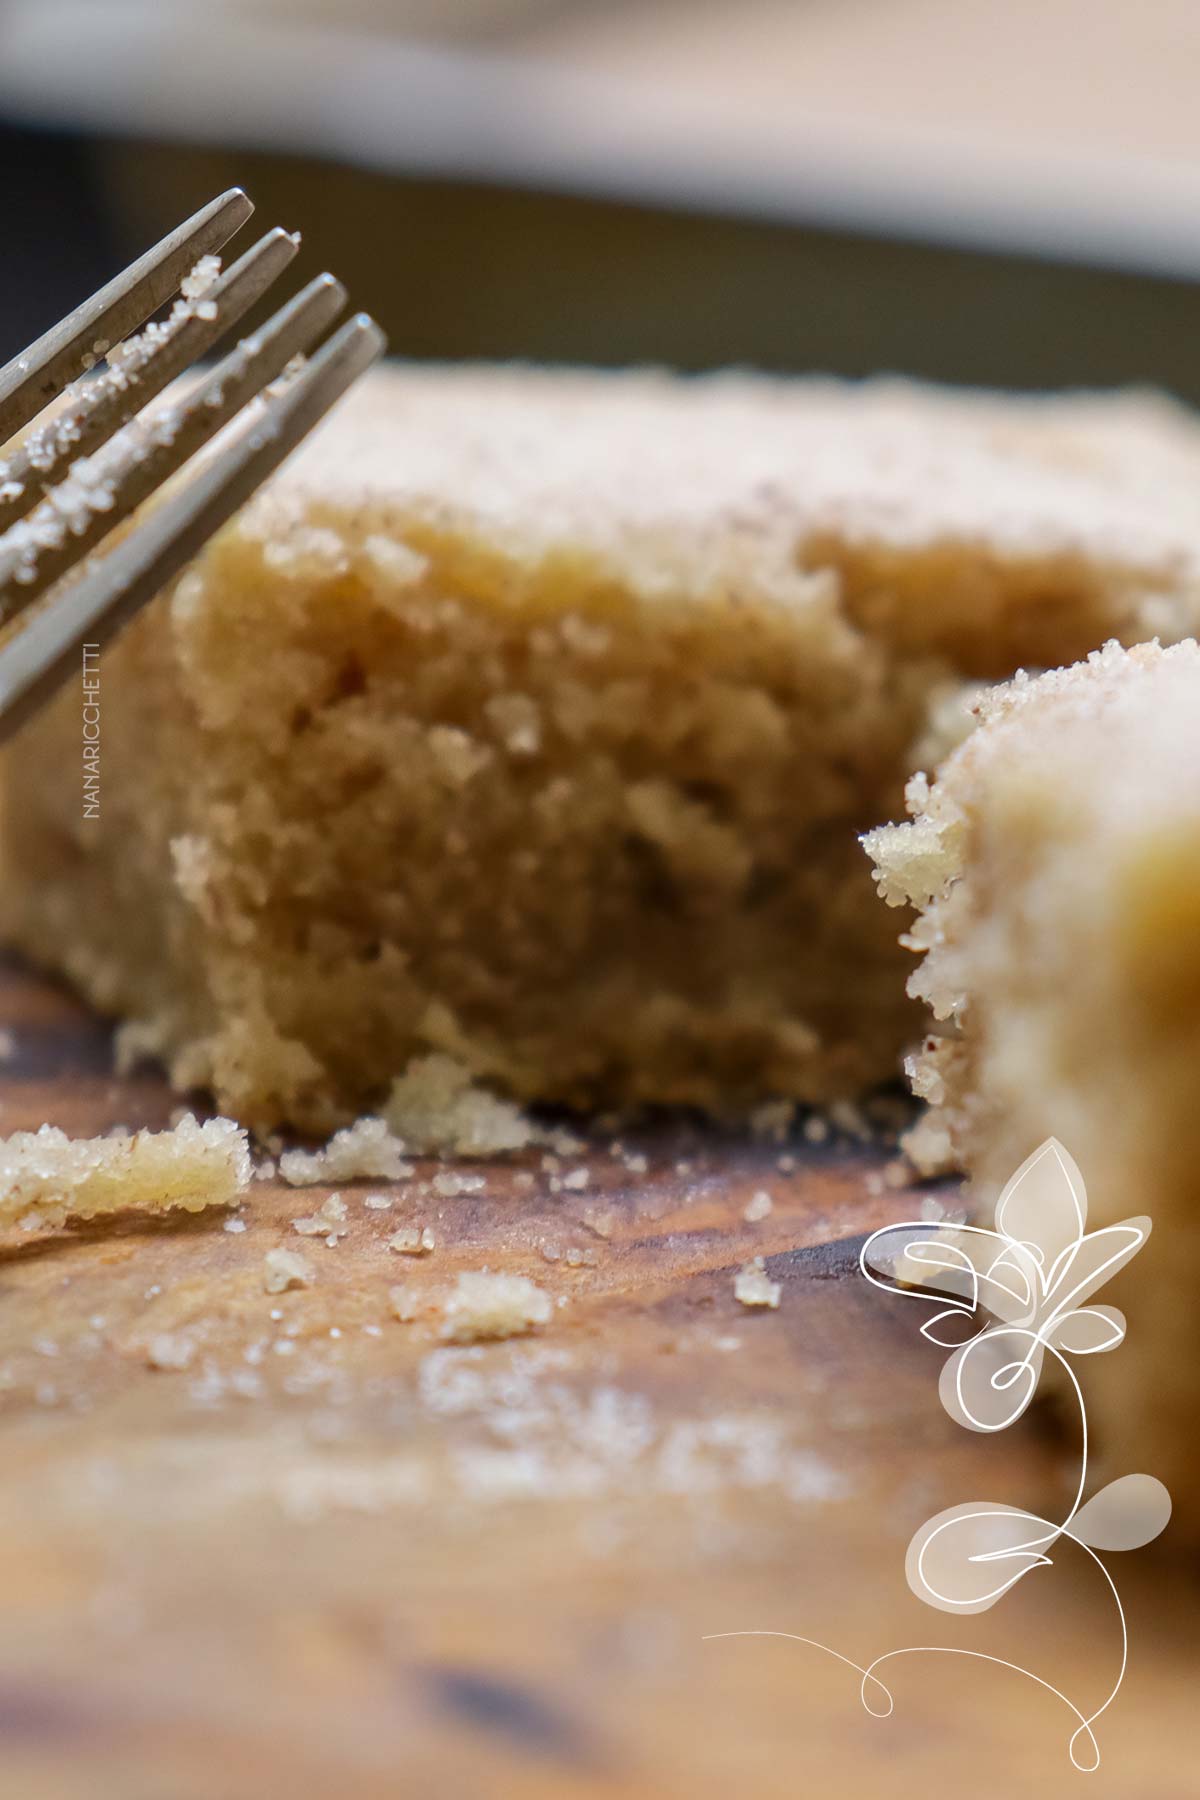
(334, 1554)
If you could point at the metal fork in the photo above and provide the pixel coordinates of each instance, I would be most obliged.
(67, 483)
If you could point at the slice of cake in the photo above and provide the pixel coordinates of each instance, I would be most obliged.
(1057, 864)
(531, 718)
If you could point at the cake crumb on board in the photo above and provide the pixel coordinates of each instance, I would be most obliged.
(754, 1287)
(47, 1177)
(367, 1150)
(328, 1221)
(412, 1240)
(436, 1106)
(483, 1306)
(283, 1269)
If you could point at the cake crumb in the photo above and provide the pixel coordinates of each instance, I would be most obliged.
(234, 1226)
(816, 1129)
(47, 1177)
(413, 1240)
(754, 1287)
(404, 1304)
(773, 1119)
(435, 1106)
(450, 1183)
(849, 1117)
(367, 1150)
(485, 1306)
(283, 1269)
(169, 1350)
(327, 1222)
(759, 1206)
(378, 1202)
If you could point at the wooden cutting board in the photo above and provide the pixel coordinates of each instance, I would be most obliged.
(335, 1554)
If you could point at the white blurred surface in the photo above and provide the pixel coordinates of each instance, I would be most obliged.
(1067, 127)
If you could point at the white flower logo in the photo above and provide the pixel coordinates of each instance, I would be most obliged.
(1018, 1293)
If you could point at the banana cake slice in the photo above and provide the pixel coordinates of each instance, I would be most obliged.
(1056, 862)
(532, 717)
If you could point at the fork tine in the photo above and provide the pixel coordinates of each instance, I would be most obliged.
(104, 405)
(41, 655)
(30, 381)
(154, 447)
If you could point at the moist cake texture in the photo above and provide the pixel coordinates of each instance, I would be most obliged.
(531, 718)
(1056, 861)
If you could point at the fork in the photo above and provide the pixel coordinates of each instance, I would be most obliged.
(71, 480)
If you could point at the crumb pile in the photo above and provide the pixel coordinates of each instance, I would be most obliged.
(1056, 861)
(47, 1177)
(531, 717)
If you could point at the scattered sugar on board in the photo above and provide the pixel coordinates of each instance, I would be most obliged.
(759, 1206)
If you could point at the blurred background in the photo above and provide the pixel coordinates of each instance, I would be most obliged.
(978, 190)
